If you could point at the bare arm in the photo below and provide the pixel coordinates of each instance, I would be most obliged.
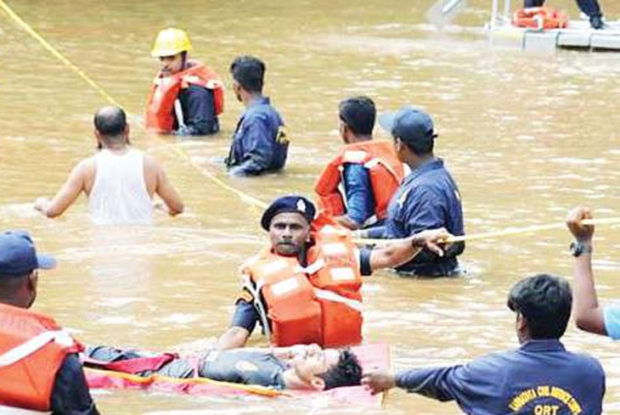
(233, 338)
(67, 193)
(403, 251)
(588, 313)
(166, 192)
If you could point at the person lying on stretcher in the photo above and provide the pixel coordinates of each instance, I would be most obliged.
(298, 367)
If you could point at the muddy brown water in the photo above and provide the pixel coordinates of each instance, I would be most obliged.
(526, 136)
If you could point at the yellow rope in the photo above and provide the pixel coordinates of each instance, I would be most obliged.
(252, 201)
(497, 234)
(57, 54)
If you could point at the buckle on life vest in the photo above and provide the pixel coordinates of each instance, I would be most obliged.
(254, 289)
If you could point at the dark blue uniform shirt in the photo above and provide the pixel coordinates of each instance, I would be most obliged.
(540, 377)
(70, 394)
(259, 143)
(428, 198)
(358, 190)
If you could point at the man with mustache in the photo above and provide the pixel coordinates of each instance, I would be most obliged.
(304, 287)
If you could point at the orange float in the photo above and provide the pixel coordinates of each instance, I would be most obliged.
(540, 18)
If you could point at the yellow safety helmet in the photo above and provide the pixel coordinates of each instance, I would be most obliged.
(169, 42)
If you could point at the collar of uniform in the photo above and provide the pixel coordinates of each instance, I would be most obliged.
(544, 345)
(258, 101)
(428, 165)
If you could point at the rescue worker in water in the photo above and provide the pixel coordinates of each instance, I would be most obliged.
(358, 184)
(304, 287)
(39, 365)
(186, 97)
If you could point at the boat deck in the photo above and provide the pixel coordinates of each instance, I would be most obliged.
(578, 35)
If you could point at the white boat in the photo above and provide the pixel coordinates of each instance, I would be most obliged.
(577, 35)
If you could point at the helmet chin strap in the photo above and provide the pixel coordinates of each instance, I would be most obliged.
(183, 60)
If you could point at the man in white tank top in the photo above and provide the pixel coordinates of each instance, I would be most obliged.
(119, 180)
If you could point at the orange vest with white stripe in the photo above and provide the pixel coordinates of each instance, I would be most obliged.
(319, 303)
(385, 171)
(159, 115)
(32, 349)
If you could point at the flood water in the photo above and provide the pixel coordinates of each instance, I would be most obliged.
(526, 136)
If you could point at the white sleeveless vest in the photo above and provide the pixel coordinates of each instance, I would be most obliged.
(119, 194)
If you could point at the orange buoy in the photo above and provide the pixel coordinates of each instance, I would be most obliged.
(540, 18)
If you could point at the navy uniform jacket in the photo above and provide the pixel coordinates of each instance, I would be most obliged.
(428, 198)
(70, 393)
(540, 377)
(259, 143)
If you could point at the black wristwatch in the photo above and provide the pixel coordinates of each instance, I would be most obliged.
(577, 248)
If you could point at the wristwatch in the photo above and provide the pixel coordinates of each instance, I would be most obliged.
(577, 248)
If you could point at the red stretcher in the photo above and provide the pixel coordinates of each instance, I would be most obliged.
(371, 356)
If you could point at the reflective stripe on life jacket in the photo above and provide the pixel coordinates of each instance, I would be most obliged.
(160, 105)
(385, 170)
(32, 349)
(8, 410)
(319, 303)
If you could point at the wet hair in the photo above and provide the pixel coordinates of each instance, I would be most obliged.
(545, 303)
(249, 72)
(359, 114)
(347, 372)
(110, 121)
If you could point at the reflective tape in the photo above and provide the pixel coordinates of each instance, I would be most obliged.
(30, 346)
(284, 287)
(332, 296)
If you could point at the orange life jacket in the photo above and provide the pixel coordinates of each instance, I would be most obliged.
(32, 349)
(386, 173)
(160, 105)
(319, 303)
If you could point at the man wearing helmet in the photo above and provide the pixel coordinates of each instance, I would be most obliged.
(186, 96)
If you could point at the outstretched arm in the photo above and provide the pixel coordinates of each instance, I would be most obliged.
(243, 322)
(588, 313)
(403, 251)
(67, 193)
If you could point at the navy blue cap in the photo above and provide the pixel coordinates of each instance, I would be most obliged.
(18, 256)
(292, 203)
(410, 124)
